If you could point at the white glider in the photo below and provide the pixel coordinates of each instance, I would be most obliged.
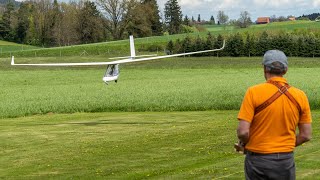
(112, 72)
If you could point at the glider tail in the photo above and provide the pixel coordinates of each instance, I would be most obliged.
(132, 49)
(12, 60)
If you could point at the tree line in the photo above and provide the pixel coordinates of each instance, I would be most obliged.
(302, 44)
(50, 23)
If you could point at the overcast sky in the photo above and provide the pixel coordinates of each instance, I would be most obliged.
(256, 8)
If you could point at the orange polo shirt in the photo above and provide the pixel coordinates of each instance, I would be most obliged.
(274, 128)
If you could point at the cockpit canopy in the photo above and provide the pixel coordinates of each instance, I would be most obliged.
(112, 73)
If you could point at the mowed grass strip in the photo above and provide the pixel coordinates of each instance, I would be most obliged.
(154, 145)
(181, 84)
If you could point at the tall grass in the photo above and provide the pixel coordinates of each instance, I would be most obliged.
(181, 84)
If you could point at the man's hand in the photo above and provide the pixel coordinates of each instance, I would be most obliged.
(239, 147)
(305, 131)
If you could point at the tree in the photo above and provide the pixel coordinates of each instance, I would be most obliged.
(210, 43)
(222, 17)
(23, 15)
(170, 47)
(44, 20)
(212, 21)
(186, 21)
(303, 47)
(173, 16)
(263, 44)
(235, 45)
(66, 31)
(178, 47)
(250, 45)
(199, 45)
(244, 21)
(317, 47)
(90, 26)
(199, 18)
(7, 23)
(56, 15)
(282, 18)
(311, 45)
(187, 45)
(153, 15)
(32, 36)
(115, 11)
(218, 44)
(273, 18)
(138, 23)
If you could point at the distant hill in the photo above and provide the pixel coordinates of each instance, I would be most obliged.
(8, 47)
(4, 2)
(312, 16)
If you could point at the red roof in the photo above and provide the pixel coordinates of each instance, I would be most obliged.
(263, 20)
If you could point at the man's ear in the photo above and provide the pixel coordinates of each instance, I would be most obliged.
(285, 71)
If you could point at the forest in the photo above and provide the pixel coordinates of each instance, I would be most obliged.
(49, 23)
(299, 43)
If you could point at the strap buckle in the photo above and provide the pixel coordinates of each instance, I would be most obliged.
(283, 89)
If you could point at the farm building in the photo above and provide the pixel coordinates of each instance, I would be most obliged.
(292, 18)
(263, 20)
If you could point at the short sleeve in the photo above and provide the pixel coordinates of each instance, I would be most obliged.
(247, 108)
(305, 116)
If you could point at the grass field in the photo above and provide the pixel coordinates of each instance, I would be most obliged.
(165, 119)
(7, 47)
(181, 84)
(137, 145)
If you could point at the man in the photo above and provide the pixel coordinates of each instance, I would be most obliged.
(268, 118)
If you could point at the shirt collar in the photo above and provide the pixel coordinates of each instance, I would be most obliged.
(278, 79)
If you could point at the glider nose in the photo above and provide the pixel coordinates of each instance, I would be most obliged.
(108, 79)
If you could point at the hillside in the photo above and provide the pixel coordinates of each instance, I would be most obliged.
(149, 44)
(8, 47)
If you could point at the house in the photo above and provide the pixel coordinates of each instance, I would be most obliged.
(292, 18)
(263, 20)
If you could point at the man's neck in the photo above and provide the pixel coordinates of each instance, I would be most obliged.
(268, 76)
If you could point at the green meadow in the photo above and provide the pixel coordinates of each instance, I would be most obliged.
(165, 119)
(136, 145)
(178, 84)
(8, 47)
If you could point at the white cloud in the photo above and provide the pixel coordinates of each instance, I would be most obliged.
(255, 7)
(233, 7)
(316, 3)
(275, 3)
(226, 4)
(192, 3)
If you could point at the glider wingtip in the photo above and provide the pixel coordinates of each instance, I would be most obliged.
(12, 60)
(224, 44)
